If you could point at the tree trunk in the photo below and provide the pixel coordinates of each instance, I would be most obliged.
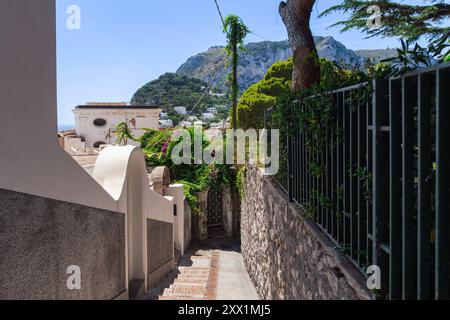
(296, 15)
(234, 87)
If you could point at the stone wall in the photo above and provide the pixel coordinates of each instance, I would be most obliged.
(160, 250)
(40, 238)
(159, 244)
(288, 256)
(187, 224)
(227, 212)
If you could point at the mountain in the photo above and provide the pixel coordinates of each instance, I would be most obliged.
(185, 87)
(210, 66)
(377, 55)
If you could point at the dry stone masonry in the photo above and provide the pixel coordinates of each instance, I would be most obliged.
(288, 256)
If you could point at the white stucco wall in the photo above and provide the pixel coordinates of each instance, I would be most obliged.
(177, 192)
(73, 143)
(32, 161)
(84, 120)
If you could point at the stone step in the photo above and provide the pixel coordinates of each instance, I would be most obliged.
(192, 291)
(194, 273)
(194, 269)
(182, 298)
(194, 281)
(188, 285)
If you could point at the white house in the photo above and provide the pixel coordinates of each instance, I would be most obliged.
(208, 116)
(212, 110)
(96, 122)
(186, 124)
(163, 124)
(164, 116)
(180, 110)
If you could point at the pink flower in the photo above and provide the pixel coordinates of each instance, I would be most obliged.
(165, 147)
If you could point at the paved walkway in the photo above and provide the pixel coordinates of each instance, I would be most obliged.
(211, 270)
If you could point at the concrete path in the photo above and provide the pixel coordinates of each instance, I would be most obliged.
(212, 270)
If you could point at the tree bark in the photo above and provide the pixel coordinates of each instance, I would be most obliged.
(234, 87)
(296, 15)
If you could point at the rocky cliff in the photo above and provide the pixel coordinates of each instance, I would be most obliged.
(211, 66)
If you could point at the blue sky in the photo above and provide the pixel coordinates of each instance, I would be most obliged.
(123, 44)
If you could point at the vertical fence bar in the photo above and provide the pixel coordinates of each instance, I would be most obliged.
(442, 184)
(408, 195)
(346, 160)
(305, 185)
(395, 261)
(327, 181)
(289, 166)
(362, 164)
(369, 188)
(424, 88)
(354, 225)
(380, 176)
(334, 170)
(296, 160)
(340, 165)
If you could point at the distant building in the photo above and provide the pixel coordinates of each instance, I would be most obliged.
(164, 116)
(96, 122)
(186, 124)
(164, 124)
(208, 116)
(192, 118)
(212, 110)
(180, 110)
(219, 125)
(217, 94)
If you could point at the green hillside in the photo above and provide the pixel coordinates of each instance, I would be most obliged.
(171, 90)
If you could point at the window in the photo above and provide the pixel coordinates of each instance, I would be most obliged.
(99, 122)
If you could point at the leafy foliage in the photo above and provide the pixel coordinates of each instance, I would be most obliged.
(312, 111)
(157, 147)
(398, 19)
(123, 133)
(172, 90)
(236, 31)
(414, 56)
(240, 181)
(263, 95)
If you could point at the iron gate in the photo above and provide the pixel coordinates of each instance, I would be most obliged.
(214, 207)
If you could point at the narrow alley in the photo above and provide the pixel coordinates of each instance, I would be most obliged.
(211, 270)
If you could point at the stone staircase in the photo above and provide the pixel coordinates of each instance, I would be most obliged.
(192, 281)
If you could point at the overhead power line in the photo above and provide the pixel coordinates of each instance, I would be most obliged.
(223, 22)
(220, 13)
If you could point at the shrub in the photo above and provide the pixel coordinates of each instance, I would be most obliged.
(263, 95)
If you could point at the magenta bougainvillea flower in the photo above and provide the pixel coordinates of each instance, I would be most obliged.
(164, 148)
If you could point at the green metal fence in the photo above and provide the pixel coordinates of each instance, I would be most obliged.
(384, 194)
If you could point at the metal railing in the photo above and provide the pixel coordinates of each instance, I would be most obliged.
(386, 180)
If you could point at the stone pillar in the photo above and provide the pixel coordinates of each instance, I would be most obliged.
(200, 219)
(160, 177)
(203, 218)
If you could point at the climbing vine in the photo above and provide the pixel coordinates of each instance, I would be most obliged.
(157, 147)
(313, 112)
